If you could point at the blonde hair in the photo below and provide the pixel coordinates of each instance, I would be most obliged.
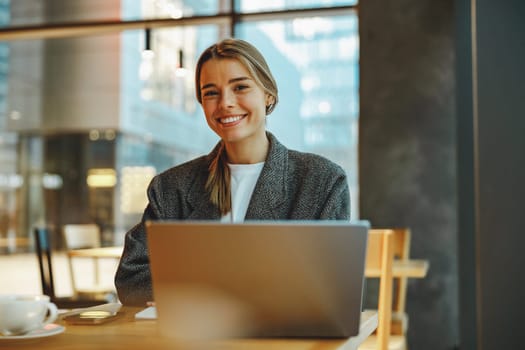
(218, 183)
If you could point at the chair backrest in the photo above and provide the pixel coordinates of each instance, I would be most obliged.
(402, 238)
(43, 249)
(77, 236)
(401, 248)
(380, 256)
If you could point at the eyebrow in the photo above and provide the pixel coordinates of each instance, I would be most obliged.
(234, 80)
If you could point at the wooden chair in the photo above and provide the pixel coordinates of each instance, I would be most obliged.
(400, 319)
(379, 262)
(401, 248)
(44, 254)
(81, 236)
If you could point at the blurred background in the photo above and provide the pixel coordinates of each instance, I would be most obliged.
(88, 120)
(97, 96)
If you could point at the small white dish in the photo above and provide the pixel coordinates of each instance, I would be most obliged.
(46, 331)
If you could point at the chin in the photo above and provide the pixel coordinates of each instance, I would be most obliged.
(235, 137)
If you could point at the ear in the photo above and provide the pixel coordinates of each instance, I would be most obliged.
(270, 99)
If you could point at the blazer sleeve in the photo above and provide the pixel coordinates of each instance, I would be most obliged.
(337, 201)
(133, 277)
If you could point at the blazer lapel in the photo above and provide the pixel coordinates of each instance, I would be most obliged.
(268, 195)
(270, 190)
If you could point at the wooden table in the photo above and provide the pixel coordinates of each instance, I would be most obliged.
(404, 268)
(102, 252)
(8, 242)
(128, 333)
(95, 254)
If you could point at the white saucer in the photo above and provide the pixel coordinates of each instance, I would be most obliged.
(46, 331)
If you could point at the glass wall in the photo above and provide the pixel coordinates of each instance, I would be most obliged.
(315, 62)
(10, 179)
(86, 122)
(250, 6)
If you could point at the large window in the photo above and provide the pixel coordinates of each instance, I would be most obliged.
(313, 51)
(73, 106)
(315, 62)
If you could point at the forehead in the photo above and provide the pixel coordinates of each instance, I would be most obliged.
(219, 70)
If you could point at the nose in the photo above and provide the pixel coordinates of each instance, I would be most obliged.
(227, 99)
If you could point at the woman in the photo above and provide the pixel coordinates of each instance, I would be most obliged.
(249, 175)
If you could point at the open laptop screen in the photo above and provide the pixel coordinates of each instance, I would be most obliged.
(264, 278)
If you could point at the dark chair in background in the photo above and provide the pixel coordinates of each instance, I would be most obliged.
(44, 250)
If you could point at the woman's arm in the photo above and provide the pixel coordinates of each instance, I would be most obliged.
(337, 203)
(133, 277)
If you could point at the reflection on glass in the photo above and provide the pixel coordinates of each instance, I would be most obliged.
(315, 63)
(158, 102)
(101, 177)
(135, 181)
(126, 113)
(10, 181)
(52, 181)
(48, 12)
(181, 8)
(246, 6)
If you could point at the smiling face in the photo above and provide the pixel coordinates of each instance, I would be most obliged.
(234, 104)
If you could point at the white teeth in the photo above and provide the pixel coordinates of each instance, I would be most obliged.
(230, 119)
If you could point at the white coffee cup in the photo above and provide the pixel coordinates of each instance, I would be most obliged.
(20, 314)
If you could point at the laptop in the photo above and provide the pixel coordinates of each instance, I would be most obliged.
(258, 279)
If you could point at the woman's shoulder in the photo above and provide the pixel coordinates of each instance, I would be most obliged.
(313, 162)
(302, 162)
(186, 171)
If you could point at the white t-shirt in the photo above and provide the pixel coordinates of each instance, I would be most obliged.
(243, 180)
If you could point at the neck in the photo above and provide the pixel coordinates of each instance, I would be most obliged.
(248, 151)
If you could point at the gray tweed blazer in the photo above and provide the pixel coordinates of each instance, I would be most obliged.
(292, 186)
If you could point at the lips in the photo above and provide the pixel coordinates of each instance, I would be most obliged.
(231, 119)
